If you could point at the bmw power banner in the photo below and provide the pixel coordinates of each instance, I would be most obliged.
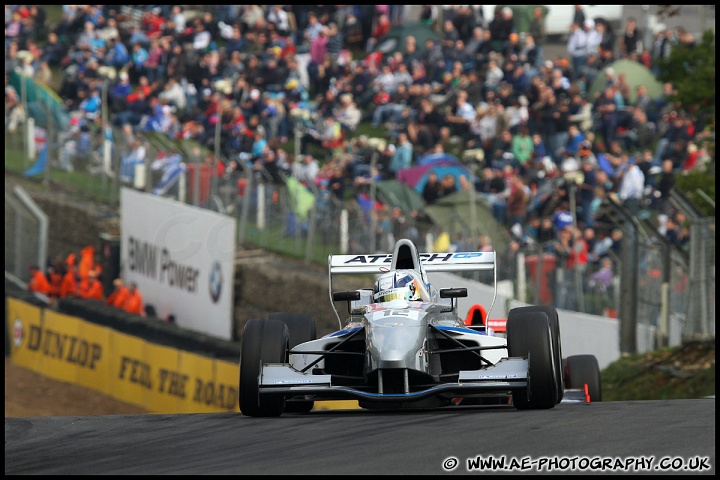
(182, 259)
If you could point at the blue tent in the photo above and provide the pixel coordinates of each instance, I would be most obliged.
(442, 164)
(432, 158)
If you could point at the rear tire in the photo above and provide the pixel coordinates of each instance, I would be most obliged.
(584, 369)
(301, 329)
(529, 335)
(554, 321)
(263, 341)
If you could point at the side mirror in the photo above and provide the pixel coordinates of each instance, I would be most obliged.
(346, 296)
(453, 292)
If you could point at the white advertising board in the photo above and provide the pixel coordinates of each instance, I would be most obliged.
(182, 258)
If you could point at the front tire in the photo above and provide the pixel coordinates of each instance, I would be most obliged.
(263, 341)
(554, 321)
(529, 335)
(584, 369)
(301, 329)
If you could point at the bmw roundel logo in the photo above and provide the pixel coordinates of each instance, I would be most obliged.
(216, 282)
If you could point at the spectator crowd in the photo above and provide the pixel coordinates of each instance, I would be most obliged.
(546, 151)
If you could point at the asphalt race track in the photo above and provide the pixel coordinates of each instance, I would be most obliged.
(615, 434)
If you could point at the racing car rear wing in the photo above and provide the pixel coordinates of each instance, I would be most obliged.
(431, 262)
(406, 256)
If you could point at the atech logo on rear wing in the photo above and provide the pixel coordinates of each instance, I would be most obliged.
(431, 262)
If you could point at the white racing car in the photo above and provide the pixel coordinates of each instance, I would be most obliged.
(402, 345)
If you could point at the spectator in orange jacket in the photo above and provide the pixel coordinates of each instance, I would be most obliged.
(55, 278)
(38, 282)
(118, 295)
(134, 302)
(92, 287)
(69, 285)
(87, 261)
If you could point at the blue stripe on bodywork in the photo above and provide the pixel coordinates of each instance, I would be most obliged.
(459, 330)
(342, 332)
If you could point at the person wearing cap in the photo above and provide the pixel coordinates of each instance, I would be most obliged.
(38, 281)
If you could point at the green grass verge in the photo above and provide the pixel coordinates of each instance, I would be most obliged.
(683, 372)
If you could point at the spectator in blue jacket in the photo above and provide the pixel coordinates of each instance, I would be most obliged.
(402, 157)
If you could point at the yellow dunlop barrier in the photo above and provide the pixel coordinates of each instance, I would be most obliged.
(158, 378)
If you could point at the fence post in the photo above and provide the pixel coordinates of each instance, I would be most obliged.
(29, 121)
(373, 214)
(196, 179)
(628, 290)
(245, 206)
(182, 187)
(521, 280)
(344, 237)
(429, 242)
(30, 139)
(698, 326)
(312, 218)
(260, 205)
(49, 136)
(664, 336)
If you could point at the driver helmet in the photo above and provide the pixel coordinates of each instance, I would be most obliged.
(397, 285)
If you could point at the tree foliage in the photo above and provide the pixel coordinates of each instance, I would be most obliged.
(691, 69)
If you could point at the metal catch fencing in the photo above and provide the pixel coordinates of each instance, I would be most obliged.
(673, 289)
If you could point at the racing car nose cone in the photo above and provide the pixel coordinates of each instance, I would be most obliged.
(395, 347)
(392, 359)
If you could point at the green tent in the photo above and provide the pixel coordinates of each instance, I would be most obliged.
(395, 39)
(453, 214)
(398, 194)
(636, 74)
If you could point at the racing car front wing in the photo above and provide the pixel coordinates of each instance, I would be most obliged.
(508, 373)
